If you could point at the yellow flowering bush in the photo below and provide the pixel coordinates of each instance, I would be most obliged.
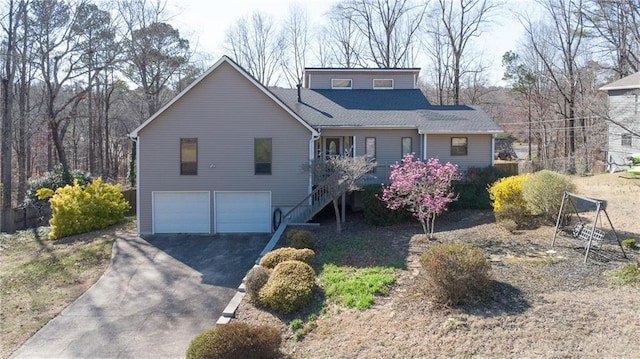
(80, 209)
(508, 190)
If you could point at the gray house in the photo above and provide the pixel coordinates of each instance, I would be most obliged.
(228, 152)
(624, 112)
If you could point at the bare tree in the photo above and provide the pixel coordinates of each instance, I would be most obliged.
(8, 73)
(59, 64)
(346, 43)
(257, 45)
(439, 54)
(559, 49)
(340, 175)
(616, 26)
(463, 20)
(296, 34)
(390, 27)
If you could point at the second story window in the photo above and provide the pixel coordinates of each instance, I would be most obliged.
(341, 84)
(383, 84)
(627, 140)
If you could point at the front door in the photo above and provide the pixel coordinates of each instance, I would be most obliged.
(331, 147)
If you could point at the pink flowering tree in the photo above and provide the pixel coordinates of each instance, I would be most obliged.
(422, 188)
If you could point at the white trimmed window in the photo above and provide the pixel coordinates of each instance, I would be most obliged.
(383, 84)
(627, 140)
(341, 84)
(459, 146)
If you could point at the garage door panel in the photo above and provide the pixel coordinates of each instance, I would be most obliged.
(181, 212)
(243, 212)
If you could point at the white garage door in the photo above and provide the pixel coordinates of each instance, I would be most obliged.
(181, 212)
(243, 212)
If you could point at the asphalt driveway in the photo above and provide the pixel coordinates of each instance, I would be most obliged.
(155, 297)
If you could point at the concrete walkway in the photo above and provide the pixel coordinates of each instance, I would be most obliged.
(155, 297)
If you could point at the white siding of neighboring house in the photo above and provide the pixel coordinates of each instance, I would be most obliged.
(479, 150)
(625, 109)
(361, 80)
(225, 112)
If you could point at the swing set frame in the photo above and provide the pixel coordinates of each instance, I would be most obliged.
(581, 231)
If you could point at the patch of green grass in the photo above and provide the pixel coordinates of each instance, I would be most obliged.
(353, 270)
(627, 275)
(355, 287)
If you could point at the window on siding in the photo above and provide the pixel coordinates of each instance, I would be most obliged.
(406, 146)
(383, 84)
(341, 84)
(188, 156)
(627, 140)
(370, 147)
(459, 146)
(262, 151)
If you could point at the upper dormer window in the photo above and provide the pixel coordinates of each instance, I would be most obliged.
(383, 84)
(341, 84)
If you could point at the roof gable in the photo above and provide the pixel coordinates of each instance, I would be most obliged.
(224, 59)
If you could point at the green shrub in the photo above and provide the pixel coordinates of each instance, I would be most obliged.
(300, 239)
(375, 210)
(543, 193)
(508, 191)
(53, 180)
(456, 272)
(80, 209)
(273, 258)
(629, 243)
(511, 216)
(236, 340)
(256, 279)
(472, 188)
(289, 288)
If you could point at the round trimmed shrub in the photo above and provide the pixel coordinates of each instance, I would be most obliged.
(276, 256)
(543, 193)
(289, 288)
(456, 272)
(300, 239)
(236, 340)
(256, 279)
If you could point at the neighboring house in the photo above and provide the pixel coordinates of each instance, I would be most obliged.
(624, 109)
(228, 152)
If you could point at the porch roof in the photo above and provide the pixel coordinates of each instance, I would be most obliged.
(384, 109)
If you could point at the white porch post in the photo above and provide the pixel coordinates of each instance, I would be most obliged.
(424, 147)
(493, 149)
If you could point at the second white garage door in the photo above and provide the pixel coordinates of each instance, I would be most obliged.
(242, 212)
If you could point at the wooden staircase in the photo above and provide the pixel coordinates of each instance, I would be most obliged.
(309, 206)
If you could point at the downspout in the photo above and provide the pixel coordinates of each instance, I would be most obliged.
(314, 137)
(493, 149)
(136, 144)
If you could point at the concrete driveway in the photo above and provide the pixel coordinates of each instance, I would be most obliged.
(155, 297)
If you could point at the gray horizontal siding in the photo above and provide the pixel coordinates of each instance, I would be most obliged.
(225, 112)
(361, 81)
(623, 109)
(478, 150)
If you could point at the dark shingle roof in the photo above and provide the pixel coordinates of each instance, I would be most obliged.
(383, 109)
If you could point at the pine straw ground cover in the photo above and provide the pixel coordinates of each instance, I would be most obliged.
(544, 305)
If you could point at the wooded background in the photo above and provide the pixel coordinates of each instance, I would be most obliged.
(79, 75)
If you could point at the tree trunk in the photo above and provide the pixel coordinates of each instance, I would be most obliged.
(7, 130)
(336, 209)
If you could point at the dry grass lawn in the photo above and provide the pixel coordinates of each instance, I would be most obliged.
(545, 304)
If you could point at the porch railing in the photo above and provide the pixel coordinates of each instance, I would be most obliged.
(309, 206)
